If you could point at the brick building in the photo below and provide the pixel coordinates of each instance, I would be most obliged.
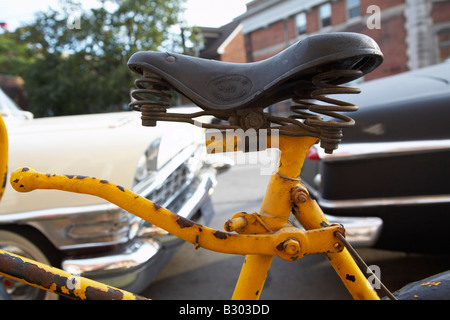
(225, 43)
(411, 33)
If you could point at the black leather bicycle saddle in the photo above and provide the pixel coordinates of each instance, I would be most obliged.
(217, 85)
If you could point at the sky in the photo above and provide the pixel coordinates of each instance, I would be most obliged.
(205, 13)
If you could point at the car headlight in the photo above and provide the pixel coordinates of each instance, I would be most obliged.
(147, 163)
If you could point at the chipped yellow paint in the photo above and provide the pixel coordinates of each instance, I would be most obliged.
(275, 210)
(311, 216)
(55, 280)
(262, 236)
(3, 156)
(64, 290)
(26, 179)
(431, 283)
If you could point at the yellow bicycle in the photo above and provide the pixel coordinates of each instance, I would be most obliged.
(237, 95)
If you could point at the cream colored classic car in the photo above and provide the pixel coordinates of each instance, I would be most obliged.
(85, 234)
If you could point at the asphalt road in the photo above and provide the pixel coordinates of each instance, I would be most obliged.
(199, 274)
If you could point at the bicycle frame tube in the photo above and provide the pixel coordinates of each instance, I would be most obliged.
(278, 238)
(58, 281)
(26, 179)
(3, 156)
(311, 217)
(278, 203)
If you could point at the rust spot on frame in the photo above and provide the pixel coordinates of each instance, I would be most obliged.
(324, 224)
(350, 277)
(33, 274)
(196, 242)
(184, 223)
(5, 178)
(156, 206)
(221, 235)
(93, 293)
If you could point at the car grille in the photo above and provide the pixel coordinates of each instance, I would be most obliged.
(173, 185)
(168, 183)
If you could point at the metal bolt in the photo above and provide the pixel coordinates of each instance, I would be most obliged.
(291, 246)
(338, 246)
(253, 120)
(299, 196)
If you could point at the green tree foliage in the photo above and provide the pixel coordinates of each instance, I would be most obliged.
(72, 68)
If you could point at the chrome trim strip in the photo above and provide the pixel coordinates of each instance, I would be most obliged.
(132, 269)
(55, 213)
(359, 231)
(202, 192)
(347, 151)
(139, 253)
(376, 202)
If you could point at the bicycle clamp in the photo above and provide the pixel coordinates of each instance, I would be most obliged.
(294, 244)
(290, 243)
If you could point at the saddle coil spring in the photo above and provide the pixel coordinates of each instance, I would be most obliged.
(151, 98)
(330, 131)
(153, 94)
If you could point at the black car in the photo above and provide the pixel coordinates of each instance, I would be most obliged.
(389, 178)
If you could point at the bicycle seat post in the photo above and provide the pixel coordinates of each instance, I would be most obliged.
(276, 207)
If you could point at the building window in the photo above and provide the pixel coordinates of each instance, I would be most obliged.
(353, 8)
(300, 22)
(444, 44)
(325, 14)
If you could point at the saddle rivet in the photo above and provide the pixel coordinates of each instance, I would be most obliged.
(171, 59)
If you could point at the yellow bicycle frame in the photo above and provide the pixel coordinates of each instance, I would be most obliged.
(3, 156)
(278, 203)
(258, 236)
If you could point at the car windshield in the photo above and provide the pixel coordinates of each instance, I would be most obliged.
(8, 107)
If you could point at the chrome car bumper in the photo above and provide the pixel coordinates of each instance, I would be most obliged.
(359, 231)
(136, 264)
